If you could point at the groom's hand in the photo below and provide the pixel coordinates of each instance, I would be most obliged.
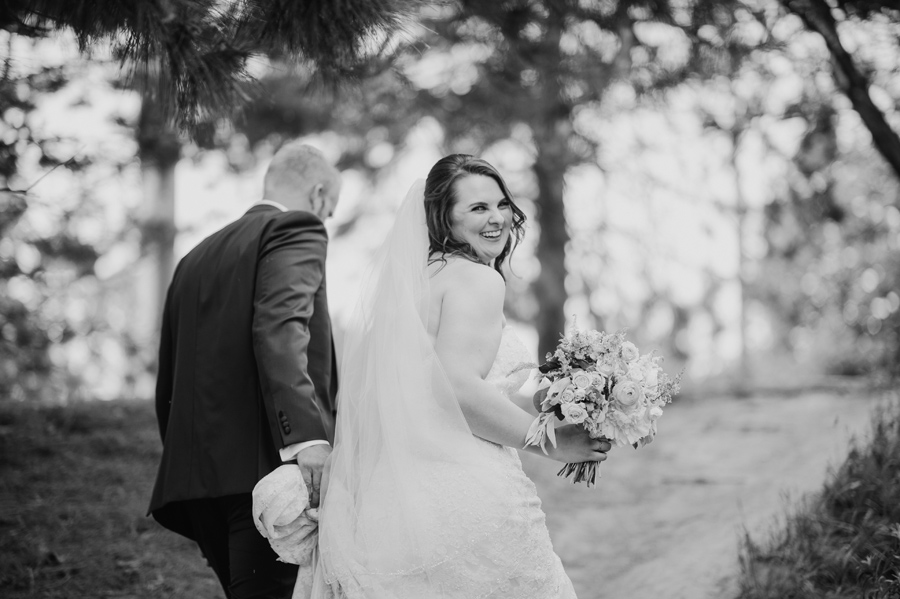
(312, 461)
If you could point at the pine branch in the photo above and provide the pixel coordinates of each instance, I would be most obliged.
(191, 54)
(335, 34)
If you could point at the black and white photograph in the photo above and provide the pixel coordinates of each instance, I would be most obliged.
(451, 299)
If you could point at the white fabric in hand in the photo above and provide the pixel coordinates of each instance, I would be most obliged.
(282, 515)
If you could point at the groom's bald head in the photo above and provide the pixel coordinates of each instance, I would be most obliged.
(301, 178)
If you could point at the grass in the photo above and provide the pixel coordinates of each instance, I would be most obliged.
(75, 482)
(74, 486)
(845, 541)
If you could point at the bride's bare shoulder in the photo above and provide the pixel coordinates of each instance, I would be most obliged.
(456, 272)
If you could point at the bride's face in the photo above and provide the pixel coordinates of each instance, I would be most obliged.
(481, 216)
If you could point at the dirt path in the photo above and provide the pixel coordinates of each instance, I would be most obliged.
(664, 522)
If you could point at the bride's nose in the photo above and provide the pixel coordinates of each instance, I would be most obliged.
(496, 217)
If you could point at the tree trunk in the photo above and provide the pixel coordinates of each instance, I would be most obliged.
(816, 14)
(160, 150)
(551, 124)
(743, 380)
(550, 286)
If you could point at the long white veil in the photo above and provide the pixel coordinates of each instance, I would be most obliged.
(406, 471)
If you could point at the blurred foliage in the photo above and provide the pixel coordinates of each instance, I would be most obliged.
(525, 76)
(833, 263)
(853, 81)
(831, 272)
(536, 86)
(24, 339)
(53, 229)
(194, 53)
(528, 80)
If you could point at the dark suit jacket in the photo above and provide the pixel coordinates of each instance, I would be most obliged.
(246, 360)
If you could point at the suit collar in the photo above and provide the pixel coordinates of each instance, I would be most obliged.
(267, 206)
(270, 205)
(265, 202)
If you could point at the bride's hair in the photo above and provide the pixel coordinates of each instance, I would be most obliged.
(440, 197)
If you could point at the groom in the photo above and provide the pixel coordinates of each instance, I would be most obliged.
(247, 379)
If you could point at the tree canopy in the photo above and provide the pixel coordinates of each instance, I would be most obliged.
(572, 99)
(195, 52)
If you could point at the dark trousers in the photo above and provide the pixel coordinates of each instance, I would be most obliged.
(246, 565)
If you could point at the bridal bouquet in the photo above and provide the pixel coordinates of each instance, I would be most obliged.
(601, 381)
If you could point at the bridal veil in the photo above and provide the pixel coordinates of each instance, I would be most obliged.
(406, 471)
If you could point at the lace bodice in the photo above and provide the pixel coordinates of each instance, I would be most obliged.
(509, 372)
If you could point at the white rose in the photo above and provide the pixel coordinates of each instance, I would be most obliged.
(581, 380)
(629, 351)
(606, 368)
(597, 380)
(574, 413)
(580, 393)
(628, 394)
(567, 396)
(635, 373)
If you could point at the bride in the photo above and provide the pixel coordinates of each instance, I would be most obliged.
(425, 492)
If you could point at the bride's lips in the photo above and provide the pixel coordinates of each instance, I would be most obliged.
(492, 235)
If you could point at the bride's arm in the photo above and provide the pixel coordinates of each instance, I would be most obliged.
(469, 332)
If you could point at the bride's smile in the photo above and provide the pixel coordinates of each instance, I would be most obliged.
(482, 216)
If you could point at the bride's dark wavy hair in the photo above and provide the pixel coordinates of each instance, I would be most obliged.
(440, 195)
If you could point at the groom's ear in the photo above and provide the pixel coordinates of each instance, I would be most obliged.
(317, 199)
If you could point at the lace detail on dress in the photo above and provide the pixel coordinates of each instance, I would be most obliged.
(508, 372)
(480, 547)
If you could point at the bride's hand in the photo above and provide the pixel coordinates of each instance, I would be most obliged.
(573, 445)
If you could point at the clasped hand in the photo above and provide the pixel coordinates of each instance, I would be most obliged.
(312, 463)
(574, 445)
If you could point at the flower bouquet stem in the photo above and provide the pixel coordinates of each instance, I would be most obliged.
(583, 472)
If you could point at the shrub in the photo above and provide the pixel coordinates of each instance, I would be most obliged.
(845, 541)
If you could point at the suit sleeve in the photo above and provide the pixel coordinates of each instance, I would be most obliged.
(290, 270)
(164, 370)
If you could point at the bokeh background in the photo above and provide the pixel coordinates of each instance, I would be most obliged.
(720, 179)
(699, 178)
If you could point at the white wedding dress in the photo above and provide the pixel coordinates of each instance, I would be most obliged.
(516, 559)
(479, 547)
(416, 506)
